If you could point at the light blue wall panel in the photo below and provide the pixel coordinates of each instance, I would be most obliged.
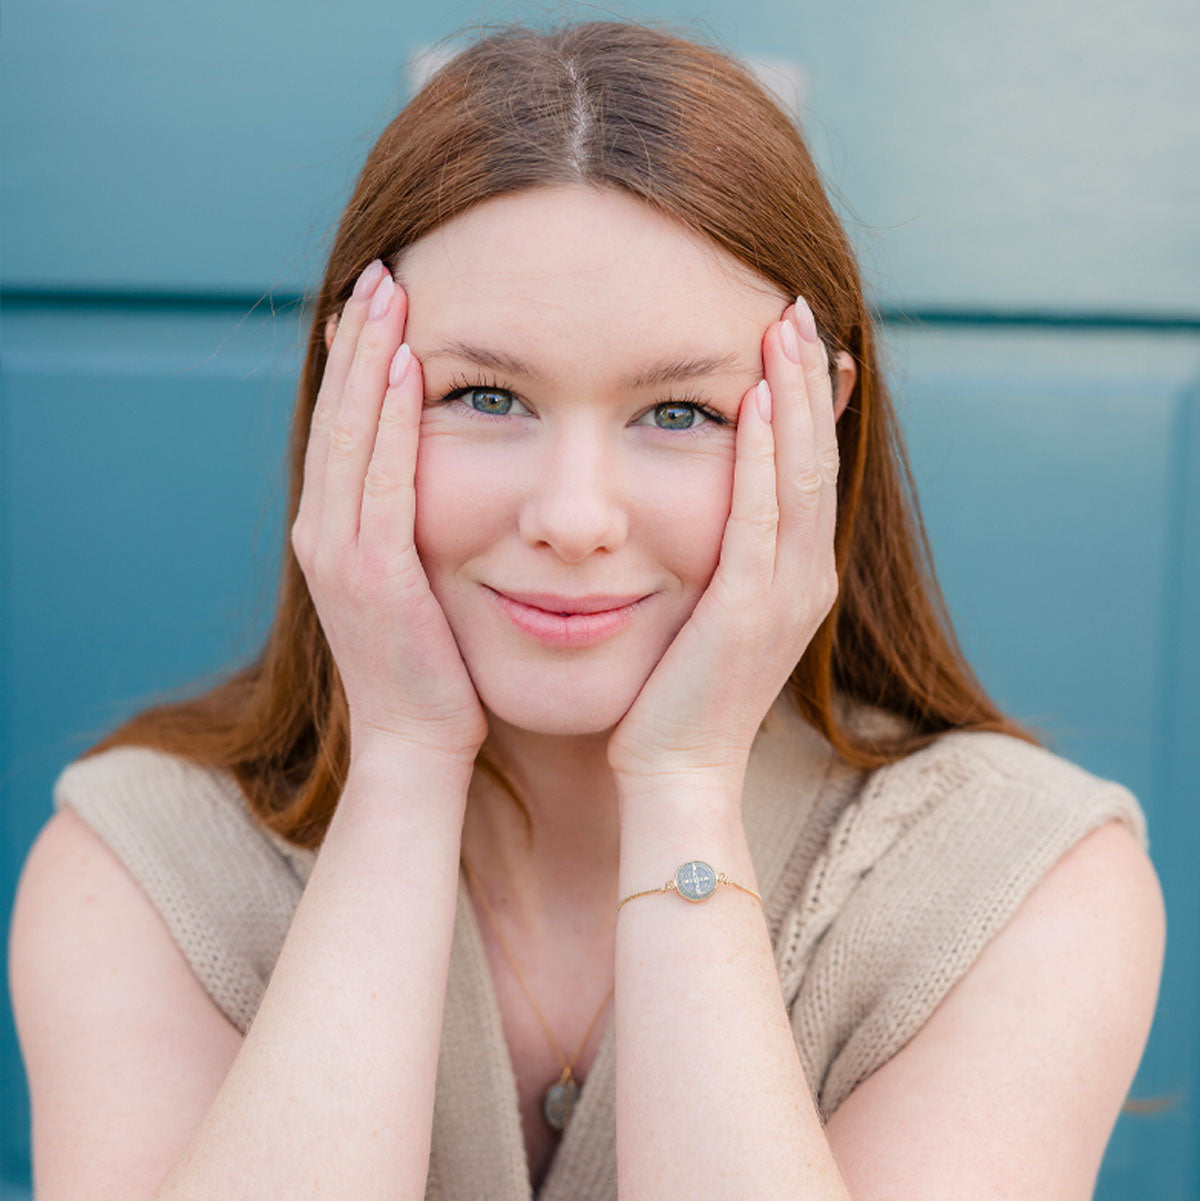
(142, 478)
(1046, 470)
(146, 482)
(1035, 155)
(1058, 476)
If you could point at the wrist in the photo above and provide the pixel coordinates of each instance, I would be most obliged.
(657, 839)
(405, 777)
(443, 743)
(696, 796)
(383, 748)
(678, 815)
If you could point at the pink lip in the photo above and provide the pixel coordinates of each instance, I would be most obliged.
(578, 623)
(549, 603)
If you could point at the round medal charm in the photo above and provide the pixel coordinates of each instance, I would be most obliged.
(695, 881)
(558, 1102)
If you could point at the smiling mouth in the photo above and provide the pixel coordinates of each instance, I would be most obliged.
(568, 606)
(569, 630)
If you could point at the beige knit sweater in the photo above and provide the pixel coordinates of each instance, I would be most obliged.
(880, 890)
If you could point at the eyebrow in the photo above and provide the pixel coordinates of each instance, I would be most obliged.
(654, 375)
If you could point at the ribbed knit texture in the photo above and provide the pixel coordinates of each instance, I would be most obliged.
(880, 890)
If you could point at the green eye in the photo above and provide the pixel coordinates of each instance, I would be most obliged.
(676, 416)
(492, 400)
(679, 416)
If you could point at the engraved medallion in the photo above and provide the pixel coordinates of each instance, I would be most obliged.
(558, 1103)
(695, 881)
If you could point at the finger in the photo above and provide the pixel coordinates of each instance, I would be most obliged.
(790, 314)
(352, 434)
(748, 546)
(799, 475)
(820, 377)
(824, 417)
(806, 488)
(337, 365)
(389, 490)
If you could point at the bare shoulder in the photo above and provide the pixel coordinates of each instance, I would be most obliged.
(1013, 1085)
(103, 998)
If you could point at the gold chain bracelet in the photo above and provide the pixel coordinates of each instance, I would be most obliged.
(694, 881)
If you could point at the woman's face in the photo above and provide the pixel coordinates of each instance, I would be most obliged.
(556, 469)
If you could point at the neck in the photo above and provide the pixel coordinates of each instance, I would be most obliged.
(567, 867)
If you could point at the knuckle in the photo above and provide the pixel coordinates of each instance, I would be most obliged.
(391, 416)
(816, 376)
(830, 461)
(832, 588)
(342, 441)
(301, 543)
(808, 484)
(763, 520)
(322, 419)
(825, 587)
(381, 483)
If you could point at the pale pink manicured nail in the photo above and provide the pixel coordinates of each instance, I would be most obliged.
(383, 296)
(805, 319)
(401, 362)
(368, 279)
(763, 398)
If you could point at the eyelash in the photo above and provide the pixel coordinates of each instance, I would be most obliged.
(462, 386)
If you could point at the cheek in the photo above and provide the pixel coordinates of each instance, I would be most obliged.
(686, 507)
(460, 500)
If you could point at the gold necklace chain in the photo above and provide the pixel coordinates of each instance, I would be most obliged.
(559, 1099)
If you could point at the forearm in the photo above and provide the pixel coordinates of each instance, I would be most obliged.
(331, 1094)
(710, 1092)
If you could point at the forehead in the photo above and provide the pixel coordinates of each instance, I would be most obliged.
(586, 270)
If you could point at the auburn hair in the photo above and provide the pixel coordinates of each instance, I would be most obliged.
(688, 129)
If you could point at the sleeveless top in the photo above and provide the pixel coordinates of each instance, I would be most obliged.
(880, 889)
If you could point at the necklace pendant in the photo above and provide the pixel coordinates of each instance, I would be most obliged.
(558, 1103)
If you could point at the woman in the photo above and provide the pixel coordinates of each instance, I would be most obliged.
(603, 586)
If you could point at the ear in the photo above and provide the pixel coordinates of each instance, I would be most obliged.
(330, 329)
(847, 375)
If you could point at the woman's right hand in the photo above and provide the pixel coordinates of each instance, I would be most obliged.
(401, 669)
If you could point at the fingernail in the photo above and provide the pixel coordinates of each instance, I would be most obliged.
(367, 280)
(763, 397)
(804, 318)
(789, 341)
(401, 362)
(383, 296)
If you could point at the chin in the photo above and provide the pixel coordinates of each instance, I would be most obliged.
(569, 707)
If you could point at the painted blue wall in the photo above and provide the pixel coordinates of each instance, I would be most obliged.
(1022, 178)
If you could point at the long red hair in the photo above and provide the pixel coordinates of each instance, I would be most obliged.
(686, 128)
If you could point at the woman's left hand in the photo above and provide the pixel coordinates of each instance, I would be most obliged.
(695, 718)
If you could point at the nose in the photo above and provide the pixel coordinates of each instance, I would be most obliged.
(574, 503)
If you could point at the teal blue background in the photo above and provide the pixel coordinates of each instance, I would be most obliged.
(1021, 183)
